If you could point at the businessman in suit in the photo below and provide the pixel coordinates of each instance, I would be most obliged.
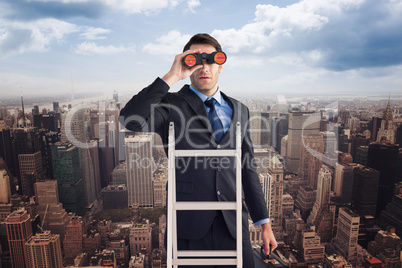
(204, 118)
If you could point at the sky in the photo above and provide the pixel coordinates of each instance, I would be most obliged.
(316, 47)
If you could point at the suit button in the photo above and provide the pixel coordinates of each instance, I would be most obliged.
(218, 192)
(219, 169)
(218, 146)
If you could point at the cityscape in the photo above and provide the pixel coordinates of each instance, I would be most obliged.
(77, 189)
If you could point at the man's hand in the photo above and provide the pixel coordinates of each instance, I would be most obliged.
(179, 71)
(268, 238)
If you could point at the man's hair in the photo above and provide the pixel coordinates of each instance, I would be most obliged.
(203, 39)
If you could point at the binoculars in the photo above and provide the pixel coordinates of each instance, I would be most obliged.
(191, 60)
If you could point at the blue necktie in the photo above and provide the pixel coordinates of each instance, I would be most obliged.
(214, 119)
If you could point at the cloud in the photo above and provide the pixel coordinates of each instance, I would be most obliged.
(61, 9)
(171, 43)
(91, 48)
(192, 4)
(18, 37)
(334, 34)
(92, 33)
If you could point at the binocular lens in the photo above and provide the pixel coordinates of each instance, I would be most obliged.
(220, 58)
(191, 60)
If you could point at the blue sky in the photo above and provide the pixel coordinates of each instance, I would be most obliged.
(274, 47)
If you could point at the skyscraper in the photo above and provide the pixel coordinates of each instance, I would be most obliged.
(140, 166)
(347, 234)
(52, 214)
(44, 250)
(365, 190)
(384, 158)
(67, 171)
(343, 181)
(323, 193)
(31, 169)
(73, 241)
(310, 159)
(5, 191)
(300, 124)
(19, 230)
(259, 129)
(272, 185)
(386, 132)
(91, 171)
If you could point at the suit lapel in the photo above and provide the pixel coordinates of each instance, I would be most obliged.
(196, 105)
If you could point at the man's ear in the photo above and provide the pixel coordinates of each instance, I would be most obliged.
(220, 69)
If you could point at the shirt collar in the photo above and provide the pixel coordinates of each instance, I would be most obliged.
(217, 96)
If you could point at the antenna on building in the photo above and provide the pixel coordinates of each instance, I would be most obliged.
(23, 111)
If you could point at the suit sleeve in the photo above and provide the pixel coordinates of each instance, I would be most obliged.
(143, 112)
(253, 194)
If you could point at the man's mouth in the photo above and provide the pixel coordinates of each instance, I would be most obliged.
(204, 77)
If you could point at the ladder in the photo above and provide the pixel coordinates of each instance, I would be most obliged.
(177, 257)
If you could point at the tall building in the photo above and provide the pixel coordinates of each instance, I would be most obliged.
(311, 159)
(27, 152)
(91, 171)
(343, 181)
(44, 250)
(365, 190)
(347, 234)
(272, 185)
(357, 141)
(300, 124)
(140, 166)
(259, 129)
(305, 200)
(159, 186)
(5, 190)
(67, 171)
(52, 214)
(6, 150)
(31, 170)
(73, 240)
(19, 230)
(392, 214)
(323, 193)
(387, 132)
(279, 129)
(384, 158)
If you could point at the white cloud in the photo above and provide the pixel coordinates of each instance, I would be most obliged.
(92, 33)
(192, 4)
(90, 48)
(36, 36)
(171, 43)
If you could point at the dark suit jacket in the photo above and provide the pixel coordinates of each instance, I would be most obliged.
(199, 179)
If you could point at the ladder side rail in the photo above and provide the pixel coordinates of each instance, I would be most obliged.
(171, 182)
(239, 201)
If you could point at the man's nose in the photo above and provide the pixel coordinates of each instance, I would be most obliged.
(205, 65)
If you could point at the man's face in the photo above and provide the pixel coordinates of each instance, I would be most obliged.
(206, 78)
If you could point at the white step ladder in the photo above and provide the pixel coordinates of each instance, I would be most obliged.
(202, 257)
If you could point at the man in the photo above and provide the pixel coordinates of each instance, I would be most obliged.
(204, 118)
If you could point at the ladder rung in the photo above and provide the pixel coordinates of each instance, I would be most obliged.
(200, 262)
(207, 253)
(226, 205)
(204, 153)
